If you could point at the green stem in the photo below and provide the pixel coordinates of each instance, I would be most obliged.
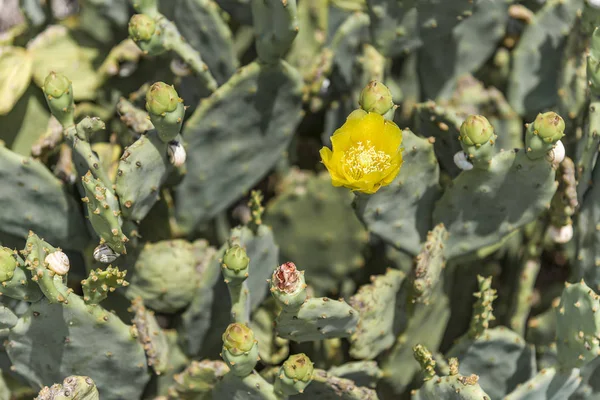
(50, 287)
(222, 227)
(240, 301)
(173, 40)
(529, 270)
(84, 158)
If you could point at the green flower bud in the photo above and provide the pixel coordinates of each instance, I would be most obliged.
(549, 126)
(295, 375)
(376, 97)
(56, 84)
(238, 339)
(236, 259)
(161, 98)
(58, 91)
(141, 28)
(356, 114)
(476, 130)
(8, 264)
(299, 367)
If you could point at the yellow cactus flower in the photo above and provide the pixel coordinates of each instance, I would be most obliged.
(366, 152)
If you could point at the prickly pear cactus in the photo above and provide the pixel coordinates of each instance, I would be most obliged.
(299, 199)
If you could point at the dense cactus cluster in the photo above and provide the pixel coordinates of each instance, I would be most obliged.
(300, 199)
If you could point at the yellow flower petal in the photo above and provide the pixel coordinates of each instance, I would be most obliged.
(326, 157)
(366, 153)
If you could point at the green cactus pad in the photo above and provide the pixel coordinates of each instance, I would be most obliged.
(73, 387)
(484, 195)
(429, 265)
(235, 137)
(564, 203)
(317, 319)
(532, 85)
(36, 252)
(573, 81)
(376, 304)
(425, 326)
(588, 236)
(404, 224)
(593, 63)
(276, 27)
(97, 285)
(28, 123)
(454, 387)
(500, 357)
(251, 387)
(548, 384)
(325, 386)
(586, 150)
(84, 340)
(363, 373)
(75, 62)
(333, 251)
(148, 7)
(577, 326)
(198, 379)
(213, 40)
(482, 308)
(167, 37)
(312, 24)
(16, 63)
(151, 336)
(146, 157)
(194, 323)
(399, 28)
(346, 45)
(134, 118)
(443, 126)
(444, 61)
(272, 349)
(104, 213)
(60, 220)
(8, 319)
(161, 291)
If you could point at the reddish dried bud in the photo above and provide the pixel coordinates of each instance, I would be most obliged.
(287, 277)
(288, 286)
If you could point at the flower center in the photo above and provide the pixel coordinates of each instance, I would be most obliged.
(362, 159)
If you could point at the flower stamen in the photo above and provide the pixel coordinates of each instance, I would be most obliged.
(362, 159)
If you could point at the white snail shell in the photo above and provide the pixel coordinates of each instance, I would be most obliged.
(58, 262)
(460, 159)
(177, 153)
(557, 154)
(104, 254)
(561, 234)
(594, 3)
